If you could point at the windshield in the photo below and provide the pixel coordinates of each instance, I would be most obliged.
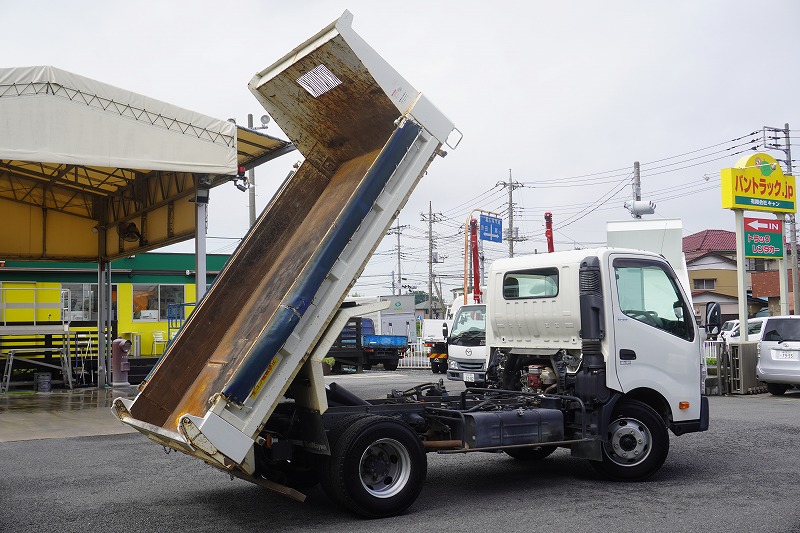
(470, 321)
(727, 326)
(753, 328)
(782, 329)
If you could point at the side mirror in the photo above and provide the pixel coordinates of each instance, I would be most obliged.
(445, 332)
(677, 308)
(713, 315)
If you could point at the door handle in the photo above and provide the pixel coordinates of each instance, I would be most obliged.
(627, 355)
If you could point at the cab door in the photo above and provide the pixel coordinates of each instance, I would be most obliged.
(655, 343)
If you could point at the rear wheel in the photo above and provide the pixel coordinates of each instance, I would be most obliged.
(376, 468)
(435, 367)
(637, 445)
(390, 365)
(535, 453)
(777, 389)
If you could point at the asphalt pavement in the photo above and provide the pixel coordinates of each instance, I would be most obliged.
(66, 464)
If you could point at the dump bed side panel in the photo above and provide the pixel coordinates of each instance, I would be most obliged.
(249, 336)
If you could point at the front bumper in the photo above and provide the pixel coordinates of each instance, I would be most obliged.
(692, 426)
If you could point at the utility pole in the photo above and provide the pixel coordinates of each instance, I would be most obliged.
(511, 185)
(792, 218)
(251, 182)
(637, 207)
(637, 186)
(399, 278)
(439, 294)
(397, 230)
(431, 218)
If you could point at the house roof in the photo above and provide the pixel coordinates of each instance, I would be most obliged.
(699, 254)
(709, 240)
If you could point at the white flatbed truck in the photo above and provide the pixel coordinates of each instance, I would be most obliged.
(241, 386)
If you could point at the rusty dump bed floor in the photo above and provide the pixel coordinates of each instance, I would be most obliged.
(221, 331)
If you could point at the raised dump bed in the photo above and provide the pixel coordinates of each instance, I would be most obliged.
(367, 137)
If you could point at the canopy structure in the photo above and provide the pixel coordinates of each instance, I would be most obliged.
(92, 172)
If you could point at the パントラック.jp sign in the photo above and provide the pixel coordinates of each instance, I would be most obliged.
(758, 184)
(763, 238)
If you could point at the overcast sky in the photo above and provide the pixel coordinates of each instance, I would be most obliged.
(563, 95)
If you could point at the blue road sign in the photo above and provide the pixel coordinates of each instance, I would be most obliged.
(491, 229)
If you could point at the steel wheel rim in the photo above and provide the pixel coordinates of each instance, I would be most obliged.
(385, 468)
(629, 443)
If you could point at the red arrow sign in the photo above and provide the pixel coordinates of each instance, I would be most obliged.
(763, 225)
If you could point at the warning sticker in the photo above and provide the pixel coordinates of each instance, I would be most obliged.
(267, 372)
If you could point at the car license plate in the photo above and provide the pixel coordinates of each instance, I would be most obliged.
(786, 355)
(469, 377)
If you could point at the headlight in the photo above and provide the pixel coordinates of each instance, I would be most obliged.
(453, 365)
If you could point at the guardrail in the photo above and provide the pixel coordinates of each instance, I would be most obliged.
(34, 305)
(731, 368)
(416, 356)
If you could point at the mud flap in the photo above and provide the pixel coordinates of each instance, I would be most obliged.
(589, 449)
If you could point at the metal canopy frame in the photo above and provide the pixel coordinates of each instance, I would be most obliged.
(109, 196)
(88, 204)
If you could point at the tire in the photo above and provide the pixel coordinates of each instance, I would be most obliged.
(435, 367)
(443, 368)
(390, 365)
(324, 466)
(536, 453)
(638, 443)
(777, 389)
(366, 367)
(376, 468)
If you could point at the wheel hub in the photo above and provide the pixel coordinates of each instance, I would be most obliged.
(629, 442)
(376, 466)
(385, 468)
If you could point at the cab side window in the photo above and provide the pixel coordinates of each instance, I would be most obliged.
(649, 293)
(535, 283)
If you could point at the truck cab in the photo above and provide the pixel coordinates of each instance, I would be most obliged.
(466, 346)
(603, 323)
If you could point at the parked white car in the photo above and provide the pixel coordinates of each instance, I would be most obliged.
(726, 329)
(755, 328)
(779, 354)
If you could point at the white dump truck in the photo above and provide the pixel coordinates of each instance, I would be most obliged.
(612, 329)
(241, 386)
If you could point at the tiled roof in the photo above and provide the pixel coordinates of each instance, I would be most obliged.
(719, 240)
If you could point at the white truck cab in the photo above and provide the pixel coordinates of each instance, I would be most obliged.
(606, 325)
(466, 345)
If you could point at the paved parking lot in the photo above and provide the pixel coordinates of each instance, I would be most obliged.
(738, 476)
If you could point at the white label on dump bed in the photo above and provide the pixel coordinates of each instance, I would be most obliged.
(267, 372)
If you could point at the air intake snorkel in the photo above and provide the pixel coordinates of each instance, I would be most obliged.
(590, 380)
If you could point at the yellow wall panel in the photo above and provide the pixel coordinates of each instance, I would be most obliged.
(20, 230)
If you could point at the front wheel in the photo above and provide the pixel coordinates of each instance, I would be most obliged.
(637, 443)
(376, 468)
